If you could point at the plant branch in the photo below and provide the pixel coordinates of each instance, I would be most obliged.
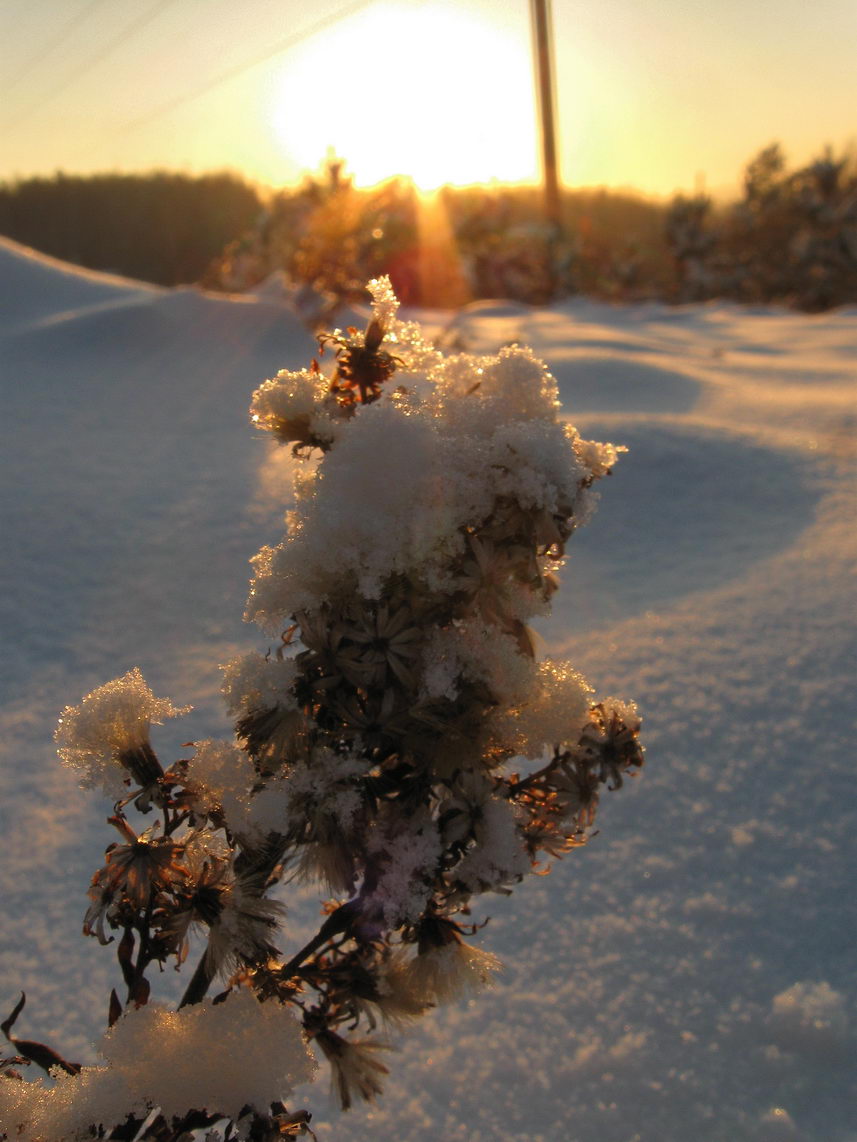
(336, 922)
(199, 983)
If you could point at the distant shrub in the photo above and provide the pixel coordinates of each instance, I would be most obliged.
(792, 238)
(472, 242)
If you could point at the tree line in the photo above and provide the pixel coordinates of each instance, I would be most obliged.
(159, 227)
(790, 238)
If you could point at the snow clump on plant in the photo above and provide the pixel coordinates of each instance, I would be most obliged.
(398, 742)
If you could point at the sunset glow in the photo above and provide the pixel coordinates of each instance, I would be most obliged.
(427, 91)
(665, 98)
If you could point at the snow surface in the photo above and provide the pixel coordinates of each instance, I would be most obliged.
(690, 973)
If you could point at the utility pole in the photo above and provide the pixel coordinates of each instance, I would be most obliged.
(544, 60)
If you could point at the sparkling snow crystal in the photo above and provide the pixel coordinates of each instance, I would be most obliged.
(109, 731)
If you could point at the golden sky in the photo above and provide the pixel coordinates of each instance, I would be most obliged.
(663, 96)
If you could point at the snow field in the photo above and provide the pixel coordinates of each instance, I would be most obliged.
(690, 972)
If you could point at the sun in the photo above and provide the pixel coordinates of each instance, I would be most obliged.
(427, 91)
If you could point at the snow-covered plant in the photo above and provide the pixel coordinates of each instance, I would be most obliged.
(400, 743)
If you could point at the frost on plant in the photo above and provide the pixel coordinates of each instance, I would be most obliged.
(398, 742)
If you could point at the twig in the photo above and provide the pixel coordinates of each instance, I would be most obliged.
(336, 922)
(199, 984)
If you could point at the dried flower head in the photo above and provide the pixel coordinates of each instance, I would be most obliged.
(106, 737)
(231, 909)
(445, 968)
(134, 873)
(259, 693)
(387, 642)
(297, 409)
(355, 1070)
(362, 366)
(610, 740)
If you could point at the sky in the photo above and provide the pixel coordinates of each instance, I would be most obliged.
(671, 96)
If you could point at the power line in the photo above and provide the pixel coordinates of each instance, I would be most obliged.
(94, 60)
(63, 34)
(280, 47)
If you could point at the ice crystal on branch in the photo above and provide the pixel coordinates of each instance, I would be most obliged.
(109, 732)
(400, 744)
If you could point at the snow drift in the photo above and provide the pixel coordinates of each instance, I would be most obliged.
(692, 976)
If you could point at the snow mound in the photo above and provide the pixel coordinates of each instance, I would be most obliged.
(689, 978)
(34, 286)
(690, 510)
(611, 384)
